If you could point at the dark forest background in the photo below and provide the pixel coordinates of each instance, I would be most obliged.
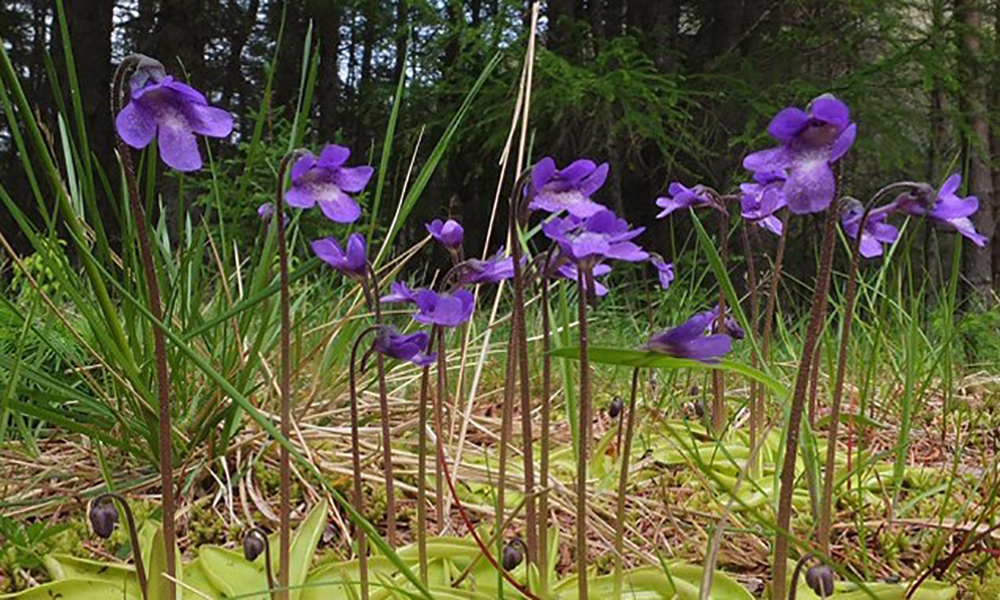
(663, 90)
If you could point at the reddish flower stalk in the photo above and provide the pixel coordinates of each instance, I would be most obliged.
(583, 282)
(816, 321)
(622, 486)
(133, 536)
(284, 466)
(439, 401)
(826, 500)
(359, 498)
(520, 333)
(383, 398)
(543, 476)
(159, 344)
(422, 471)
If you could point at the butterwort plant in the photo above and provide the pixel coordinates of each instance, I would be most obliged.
(157, 106)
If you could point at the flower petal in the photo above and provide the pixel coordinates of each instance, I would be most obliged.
(708, 349)
(787, 123)
(302, 166)
(577, 170)
(595, 180)
(770, 160)
(353, 179)
(210, 121)
(831, 110)
(135, 125)
(329, 251)
(843, 143)
(178, 145)
(333, 156)
(543, 172)
(811, 186)
(340, 209)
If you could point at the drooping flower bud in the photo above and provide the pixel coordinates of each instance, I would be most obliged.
(253, 545)
(819, 578)
(103, 518)
(615, 407)
(513, 554)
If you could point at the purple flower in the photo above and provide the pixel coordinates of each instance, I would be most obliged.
(876, 232)
(947, 210)
(352, 262)
(412, 347)
(684, 197)
(492, 270)
(266, 210)
(761, 199)
(600, 236)
(446, 310)
(571, 272)
(449, 233)
(172, 111)
(326, 181)
(554, 190)
(688, 340)
(664, 270)
(399, 292)
(810, 141)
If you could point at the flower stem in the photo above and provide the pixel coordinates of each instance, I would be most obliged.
(814, 383)
(383, 399)
(583, 273)
(262, 536)
(439, 401)
(521, 335)
(359, 498)
(826, 501)
(542, 557)
(159, 344)
(718, 379)
(795, 575)
(816, 320)
(422, 470)
(622, 486)
(133, 537)
(284, 467)
(506, 418)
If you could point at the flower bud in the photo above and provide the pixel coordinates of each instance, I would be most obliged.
(103, 518)
(253, 545)
(512, 554)
(820, 580)
(615, 407)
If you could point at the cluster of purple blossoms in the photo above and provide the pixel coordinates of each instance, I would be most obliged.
(810, 141)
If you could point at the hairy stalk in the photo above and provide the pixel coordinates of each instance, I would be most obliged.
(159, 344)
(422, 469)
(359, 498)
(583, 280)
(260, 534)
(816, 320)
(542, 556)
(718, 379)
(133, 537)
(795, 575)
(439, 400)
(284, 466)
(826, 500)
(754, 324)
(383, 401)
(521, 335)
(506, 418)
(622, 486)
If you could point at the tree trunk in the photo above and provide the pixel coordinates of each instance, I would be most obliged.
(328, 18)
(977, 262)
